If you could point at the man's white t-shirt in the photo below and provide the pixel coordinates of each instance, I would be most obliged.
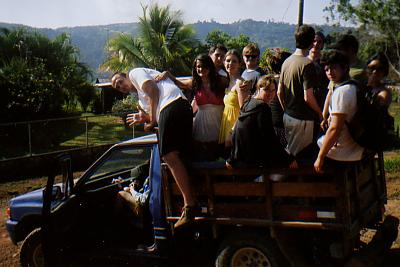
(251, 75)
(168, 91)
(344, 101)
(222, 73)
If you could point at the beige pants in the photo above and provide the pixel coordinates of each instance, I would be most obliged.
(299, 133)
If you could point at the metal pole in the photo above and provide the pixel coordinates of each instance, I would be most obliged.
(300, 17)
(133, 131)
(30, 139)
(87, 133)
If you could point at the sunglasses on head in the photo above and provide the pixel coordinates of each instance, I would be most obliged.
(251, 56)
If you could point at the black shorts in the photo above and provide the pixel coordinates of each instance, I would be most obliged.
(175, 128)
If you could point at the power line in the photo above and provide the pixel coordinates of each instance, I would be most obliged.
(284, 14)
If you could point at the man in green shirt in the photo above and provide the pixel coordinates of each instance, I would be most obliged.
(295, 93)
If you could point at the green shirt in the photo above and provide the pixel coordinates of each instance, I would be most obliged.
(298, 74)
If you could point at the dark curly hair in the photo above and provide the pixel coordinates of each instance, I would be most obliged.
(215, 80)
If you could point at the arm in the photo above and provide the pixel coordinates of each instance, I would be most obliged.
(281, 95)
(325, 112)
(150, 88)
(183, 83)
(243, 90)
(384, 98)
(331, 137)
(309, 98)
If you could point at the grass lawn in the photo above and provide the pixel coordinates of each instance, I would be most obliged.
(50, 136)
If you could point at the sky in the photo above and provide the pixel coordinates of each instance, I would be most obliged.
(70, 13)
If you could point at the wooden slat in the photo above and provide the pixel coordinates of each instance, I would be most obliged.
(297, 212)
(304, 190)
(245, 210)
(213, 170)
(368, 195)
(266, 223)
(239, 189)
(278, 189)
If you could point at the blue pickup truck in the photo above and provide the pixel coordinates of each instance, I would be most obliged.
(244, 213)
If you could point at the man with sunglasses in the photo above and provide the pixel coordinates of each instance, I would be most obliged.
(251, 56)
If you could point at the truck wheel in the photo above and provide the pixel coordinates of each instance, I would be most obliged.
(31, 254)
(250, 250)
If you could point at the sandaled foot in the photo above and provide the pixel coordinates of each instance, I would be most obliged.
(187, 217)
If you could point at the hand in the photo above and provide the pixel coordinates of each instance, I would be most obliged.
(228, 165)
(137, 118)
(162, 76)
(294, 165)
(318, 165)
(324, 125)
(149, 127)
(245, 85)
(118, 180)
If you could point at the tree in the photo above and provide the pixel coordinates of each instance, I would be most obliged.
(379, 24)
(163, 43)
(38, 75)
(219, 37)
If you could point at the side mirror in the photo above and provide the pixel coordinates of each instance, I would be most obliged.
(56, 193)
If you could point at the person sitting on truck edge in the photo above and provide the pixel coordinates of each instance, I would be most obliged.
(164, 102)
(337, 144)
(255, 143)
(349, 45)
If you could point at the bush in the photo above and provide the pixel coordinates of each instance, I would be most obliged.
(124, 107)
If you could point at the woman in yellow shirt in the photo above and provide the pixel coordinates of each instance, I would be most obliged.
(237, 92)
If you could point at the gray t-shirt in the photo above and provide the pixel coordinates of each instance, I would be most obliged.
(298, 74)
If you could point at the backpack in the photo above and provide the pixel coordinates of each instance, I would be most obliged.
(371, 124)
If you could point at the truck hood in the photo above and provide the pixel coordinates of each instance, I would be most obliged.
(27, 204)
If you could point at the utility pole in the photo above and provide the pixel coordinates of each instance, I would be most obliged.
(300, 17)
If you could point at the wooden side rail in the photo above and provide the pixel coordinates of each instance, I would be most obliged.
(255, 189)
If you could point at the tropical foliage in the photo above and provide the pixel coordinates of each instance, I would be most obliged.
(163, 43)
(38, 76)
(379, 25)
(219, 37)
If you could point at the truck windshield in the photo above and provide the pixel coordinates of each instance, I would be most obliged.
(122, 159)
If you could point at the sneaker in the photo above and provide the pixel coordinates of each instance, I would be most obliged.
(187, 217)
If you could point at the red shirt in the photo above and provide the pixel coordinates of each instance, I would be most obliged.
(203, 98)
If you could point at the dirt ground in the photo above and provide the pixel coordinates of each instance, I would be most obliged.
(9, 253)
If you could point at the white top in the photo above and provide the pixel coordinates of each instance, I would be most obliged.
(222, 73)
(251, 75)
(168, 91)
(344, 101)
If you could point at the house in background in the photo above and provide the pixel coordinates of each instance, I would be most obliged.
(107, 95)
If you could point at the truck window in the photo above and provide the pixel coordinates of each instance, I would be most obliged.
(121, 160)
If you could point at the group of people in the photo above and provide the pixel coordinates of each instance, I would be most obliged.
(254, 119)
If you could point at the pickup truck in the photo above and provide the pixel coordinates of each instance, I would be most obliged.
(244, 213)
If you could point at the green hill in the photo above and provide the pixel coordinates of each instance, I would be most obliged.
(91, 39)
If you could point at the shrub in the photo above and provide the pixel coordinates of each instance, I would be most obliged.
(124, 107)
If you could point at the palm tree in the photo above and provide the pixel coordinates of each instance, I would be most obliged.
(163, 43)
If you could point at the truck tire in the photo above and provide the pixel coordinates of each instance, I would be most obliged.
(31, 254)
(250, 250)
